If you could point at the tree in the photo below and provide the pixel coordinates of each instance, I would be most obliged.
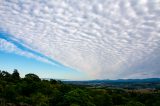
(157, 103)
(55, 98)
(78, 97)
(39, 99)
(1, 76)
(10, 92)
(134, 103)
(118, 99)
(74, 105)
(30, 84)
(32, 77)
(103, 100)
(15, 75)
(53, 81)
(6, 76)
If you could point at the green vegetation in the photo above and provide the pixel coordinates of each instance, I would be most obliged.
(33, 91)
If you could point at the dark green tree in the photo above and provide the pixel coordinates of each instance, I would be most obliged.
(32, 77)
(78, 97)
(15, 75)
(118, 99)
(39, 99)
(10, 93)
(6, 76)
(53, 81)
(134, 103)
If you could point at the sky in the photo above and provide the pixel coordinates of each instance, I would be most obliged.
(81, 39)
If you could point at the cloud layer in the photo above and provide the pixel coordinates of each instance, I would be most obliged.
(11, 48)
(103, 38)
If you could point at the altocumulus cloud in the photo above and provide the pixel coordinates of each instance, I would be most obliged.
(103, 38)
(9, 47)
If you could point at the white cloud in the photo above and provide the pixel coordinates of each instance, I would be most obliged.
(103, 38)
(11, 48)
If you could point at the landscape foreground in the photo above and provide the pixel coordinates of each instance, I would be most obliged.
(34, 91)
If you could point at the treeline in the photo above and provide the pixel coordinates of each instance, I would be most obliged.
(33, 91)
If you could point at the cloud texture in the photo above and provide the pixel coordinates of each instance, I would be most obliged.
(103, 38)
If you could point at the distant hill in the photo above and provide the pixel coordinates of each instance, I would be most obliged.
(130, 80)
(122, 80)
(153, 83)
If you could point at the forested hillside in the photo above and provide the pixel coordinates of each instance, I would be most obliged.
(33, 91)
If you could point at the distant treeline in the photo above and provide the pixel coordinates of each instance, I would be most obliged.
(33, 91)
(132, 84)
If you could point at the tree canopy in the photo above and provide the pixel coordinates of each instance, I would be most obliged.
(33, 91)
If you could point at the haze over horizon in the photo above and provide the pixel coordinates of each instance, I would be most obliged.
(81, 39)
